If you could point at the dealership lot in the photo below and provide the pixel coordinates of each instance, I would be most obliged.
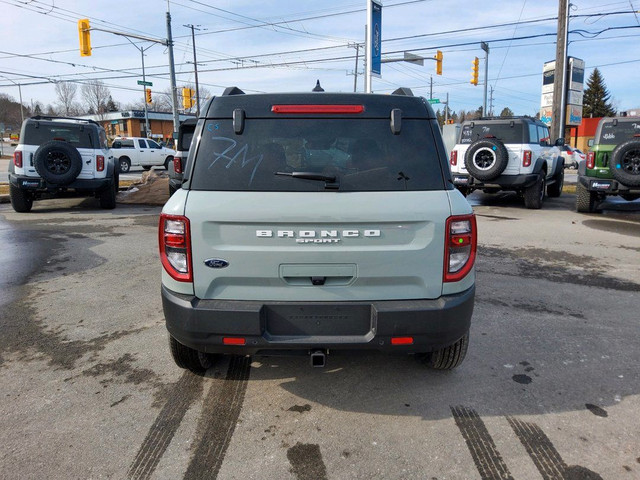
(550, 387)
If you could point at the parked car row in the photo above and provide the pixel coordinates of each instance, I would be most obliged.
(495, 154)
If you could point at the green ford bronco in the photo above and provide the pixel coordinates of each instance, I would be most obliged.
(612, 166)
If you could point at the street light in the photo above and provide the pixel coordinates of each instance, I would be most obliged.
(20, 93)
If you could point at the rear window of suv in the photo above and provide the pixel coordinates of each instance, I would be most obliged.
(502, 131)
(80, 136)
(616, 134)
(363, 155)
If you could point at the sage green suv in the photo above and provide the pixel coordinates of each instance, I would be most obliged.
(313, 223)
(612, 166)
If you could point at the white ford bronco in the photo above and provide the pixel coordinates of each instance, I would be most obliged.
(314, 223)
(60, 156)
(508, 153)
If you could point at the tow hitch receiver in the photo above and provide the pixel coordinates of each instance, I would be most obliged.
(318, 358)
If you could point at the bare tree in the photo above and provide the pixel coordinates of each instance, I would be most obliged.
(66, 92)
(96, 97)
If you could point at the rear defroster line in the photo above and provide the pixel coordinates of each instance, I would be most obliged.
(218, 421)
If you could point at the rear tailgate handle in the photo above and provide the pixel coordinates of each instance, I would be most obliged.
(318, 274)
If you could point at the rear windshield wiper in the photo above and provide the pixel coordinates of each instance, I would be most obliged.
(330, 181)
(309, 176)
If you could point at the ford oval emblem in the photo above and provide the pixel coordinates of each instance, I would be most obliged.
(216, 263)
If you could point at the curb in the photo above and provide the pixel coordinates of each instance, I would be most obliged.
(4, 199)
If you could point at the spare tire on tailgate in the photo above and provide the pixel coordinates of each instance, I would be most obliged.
(625, 163)
(486, 158)
(58, 162)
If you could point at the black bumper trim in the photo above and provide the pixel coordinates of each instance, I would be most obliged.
(202, 324)
(595, 184)
(505, 182)
(36, 184)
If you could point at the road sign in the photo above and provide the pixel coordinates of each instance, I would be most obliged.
(433, 100)
(146, 84)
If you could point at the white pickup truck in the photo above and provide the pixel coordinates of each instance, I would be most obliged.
(143, 152)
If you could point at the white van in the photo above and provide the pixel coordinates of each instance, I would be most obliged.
(140, 152)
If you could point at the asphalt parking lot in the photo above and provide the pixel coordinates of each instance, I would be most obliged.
(550, 388)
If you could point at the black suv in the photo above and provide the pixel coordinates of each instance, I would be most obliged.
(61, 156)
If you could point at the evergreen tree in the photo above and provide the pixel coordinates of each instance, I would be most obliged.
(506, 112)
(597, 98)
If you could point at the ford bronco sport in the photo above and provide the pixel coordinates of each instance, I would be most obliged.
(612, 166)
(60, 156)
(508, 153)
(317, 222)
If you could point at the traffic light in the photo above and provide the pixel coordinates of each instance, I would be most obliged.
(475, 68)
(438, 62)
(147, 92)
(187, 98)
(85, 37)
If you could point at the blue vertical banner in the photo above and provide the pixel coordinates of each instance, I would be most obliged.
(375, 40)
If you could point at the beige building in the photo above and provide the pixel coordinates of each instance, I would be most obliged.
(130, 123)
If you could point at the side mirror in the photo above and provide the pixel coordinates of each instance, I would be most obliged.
(560, 142)
(590, 142)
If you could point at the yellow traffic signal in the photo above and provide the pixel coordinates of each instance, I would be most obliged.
(147, 92)
(438, 62)
(187, 98)
(475, 68)
(85, 37)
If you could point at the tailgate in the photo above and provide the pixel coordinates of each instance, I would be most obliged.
(317, 246)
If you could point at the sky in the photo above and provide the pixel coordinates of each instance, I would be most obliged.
(280, 46)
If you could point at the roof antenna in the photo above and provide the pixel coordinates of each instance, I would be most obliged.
(318, 88)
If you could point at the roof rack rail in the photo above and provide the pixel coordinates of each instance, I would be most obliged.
(510, 117)
(403, 91)
(232, 91)
(53, 117)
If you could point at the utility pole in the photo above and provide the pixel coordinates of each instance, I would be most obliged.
(560, 74)
(355, 71)
(491, 102)
(195, 65)
(485, 47)
(172, 71)
(430, 87)
(446, 110)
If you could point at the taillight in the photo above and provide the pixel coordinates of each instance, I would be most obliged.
(177, 164)
(99, 163)
(591, 160)
(454, 158)
(175, 247)
(526, 158)
(459, 247)
(17, 159)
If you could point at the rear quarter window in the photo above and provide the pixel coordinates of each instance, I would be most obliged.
(362, 155)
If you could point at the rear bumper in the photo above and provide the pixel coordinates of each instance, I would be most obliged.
(37, 184)
(290, 326)
(606, 186)
(504, 182)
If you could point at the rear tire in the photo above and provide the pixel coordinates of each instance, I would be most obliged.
(534, 195)
(555, 190)
(167, 161)
(189, 358)
(586, 201)
(108, 195)
(21, 201)
(449, 357)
